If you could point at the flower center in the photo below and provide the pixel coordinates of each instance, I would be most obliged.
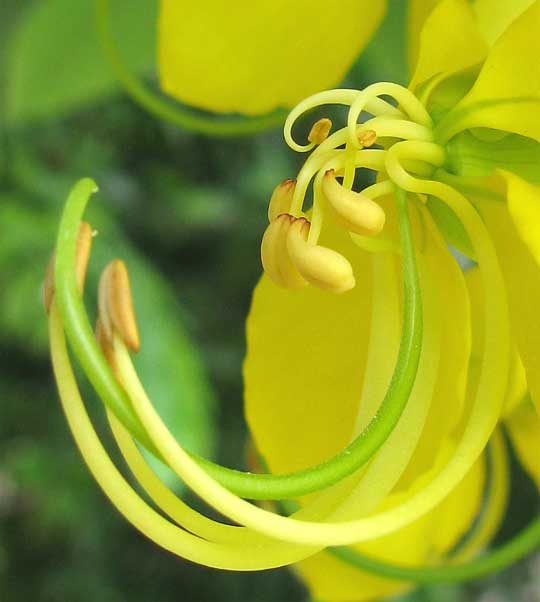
(391, 141)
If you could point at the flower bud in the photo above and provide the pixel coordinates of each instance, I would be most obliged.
(320, 266)
(356, 212)
(281, 199)
(275, 257)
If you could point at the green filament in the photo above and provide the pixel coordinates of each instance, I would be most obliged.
(247, 485)
(524, 543)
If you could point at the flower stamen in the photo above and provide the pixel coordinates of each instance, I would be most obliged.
(356, 212)
(116, 312)
(320, 266)
(320, 130)
(83, 248)
(275, 256)
(281, 199)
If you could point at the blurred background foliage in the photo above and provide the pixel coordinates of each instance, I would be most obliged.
(186, 212)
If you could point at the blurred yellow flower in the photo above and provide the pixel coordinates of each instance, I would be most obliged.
(378, 372)
(471, 141)
(255, 57)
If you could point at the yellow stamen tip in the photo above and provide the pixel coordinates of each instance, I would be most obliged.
(320, 130)
(275, 257)
(322, 267)
(367, 138)
(82, 256)
(116, 312)
(354, 211)
(281, 199)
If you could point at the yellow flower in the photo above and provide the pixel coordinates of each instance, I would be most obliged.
(378, 373)
(476, 146)
(254, 58)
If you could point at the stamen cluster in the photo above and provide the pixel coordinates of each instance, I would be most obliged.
(291, 255)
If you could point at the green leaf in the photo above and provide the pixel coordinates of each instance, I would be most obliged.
(168, 363)
(55, 64)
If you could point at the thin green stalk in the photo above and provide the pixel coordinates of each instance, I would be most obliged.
(248, 485)
(524, 543)
(175, 114)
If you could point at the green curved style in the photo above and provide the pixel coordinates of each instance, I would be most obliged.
(245, 484)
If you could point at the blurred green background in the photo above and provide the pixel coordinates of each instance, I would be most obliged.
(187, 213)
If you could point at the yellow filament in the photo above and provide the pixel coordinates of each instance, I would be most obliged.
(387, 467)
(127, 501)
(374, 105)
(372, 159)
(495, 510)
(406, 99)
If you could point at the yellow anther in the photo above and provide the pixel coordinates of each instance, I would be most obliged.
(320, 130)
(355, 211)
(275, 257)
(320, 266)
(84, 246)
(367, 138)
(116, 313)
(281, 199)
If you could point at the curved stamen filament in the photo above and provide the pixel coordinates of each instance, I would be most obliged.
(374, 105)
(407, 100)
(372, 159)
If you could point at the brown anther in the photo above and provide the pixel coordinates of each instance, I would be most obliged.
(320, 130)
(281, 199)
(105, 344)
(275, 258)
(367, 138)
(82, 255)
(322, 267)
(115, 303)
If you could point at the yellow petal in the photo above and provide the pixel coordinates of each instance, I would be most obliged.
(506, 95)
(524, 208)
(448, 399)
(517, 381)
(522, 277)
(418, 12)
(303, 372)
(419, 543)
(449, 42)
(524, 430)
(494, 17)
(252, 57)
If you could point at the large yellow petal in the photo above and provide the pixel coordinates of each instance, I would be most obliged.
(524, 430)
(506, 94)
(449, 395)
(303, 373)
(449, 42)
(517, 381)
(421, 542)
(522, 277)
(495, 16)
(524, 208)
(418, 12)
(252, 57)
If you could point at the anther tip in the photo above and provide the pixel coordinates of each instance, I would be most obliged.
(367, 138)
(320, 130)
(82, 256)
(116, 305)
